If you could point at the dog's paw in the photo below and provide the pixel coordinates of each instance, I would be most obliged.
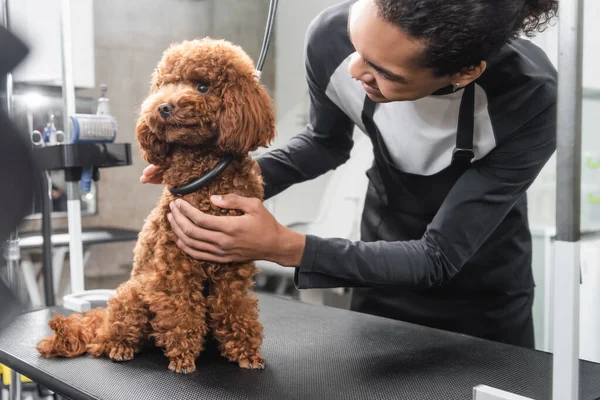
(121, 352)
(182, 365)
(255, 361)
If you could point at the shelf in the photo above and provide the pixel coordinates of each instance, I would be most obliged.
(83, 155)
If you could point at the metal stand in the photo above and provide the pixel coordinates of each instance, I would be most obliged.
(73, 201)
(567, 274)
(84, 300)
(72, 158)
(79, 299)
(75, 154)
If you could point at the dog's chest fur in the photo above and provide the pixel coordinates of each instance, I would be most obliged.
(176, 268)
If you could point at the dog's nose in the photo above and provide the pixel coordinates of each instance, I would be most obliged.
(165, 109)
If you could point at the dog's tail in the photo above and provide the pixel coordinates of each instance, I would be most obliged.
(72, 334)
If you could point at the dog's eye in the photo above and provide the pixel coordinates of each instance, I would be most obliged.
(202, 88)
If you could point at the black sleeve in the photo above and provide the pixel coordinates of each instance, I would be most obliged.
(326, 141)
(475, 206)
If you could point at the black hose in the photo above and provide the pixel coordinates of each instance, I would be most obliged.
(47, 244)
(267, 38)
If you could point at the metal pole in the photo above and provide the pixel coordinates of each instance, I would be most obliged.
(568, 202)
(9, 81)
(73, 200)
(67, 68)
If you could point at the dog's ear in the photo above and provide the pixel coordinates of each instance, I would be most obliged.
(247, 120)
(154, 150)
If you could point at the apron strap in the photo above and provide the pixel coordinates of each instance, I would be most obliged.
(368, 108)
(379, 148)
(463, 152)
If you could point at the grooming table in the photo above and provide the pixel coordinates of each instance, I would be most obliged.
(312, 352)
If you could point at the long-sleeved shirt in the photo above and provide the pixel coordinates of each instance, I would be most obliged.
(464, 237)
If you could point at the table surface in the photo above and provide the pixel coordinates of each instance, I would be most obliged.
(312, 352)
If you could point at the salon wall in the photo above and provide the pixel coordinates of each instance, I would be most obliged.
(130, 37)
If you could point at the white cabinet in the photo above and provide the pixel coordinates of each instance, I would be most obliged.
(38, 23)
(589, 291)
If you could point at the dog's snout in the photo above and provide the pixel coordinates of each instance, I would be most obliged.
(165, 109)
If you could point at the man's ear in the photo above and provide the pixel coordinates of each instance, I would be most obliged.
(468, 75)
(154, 150)
(247, 119)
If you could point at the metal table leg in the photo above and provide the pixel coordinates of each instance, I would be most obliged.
(14, 390)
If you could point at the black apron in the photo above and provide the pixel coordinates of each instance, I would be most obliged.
(399, 206)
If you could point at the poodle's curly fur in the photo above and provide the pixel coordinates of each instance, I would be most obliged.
(217, 106)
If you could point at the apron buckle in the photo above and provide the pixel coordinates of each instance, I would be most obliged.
(462, 155)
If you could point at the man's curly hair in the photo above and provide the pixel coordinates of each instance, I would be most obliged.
(462, 33)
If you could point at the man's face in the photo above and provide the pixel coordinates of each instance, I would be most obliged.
(386, 60)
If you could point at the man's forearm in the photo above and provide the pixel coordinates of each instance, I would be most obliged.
(333, 262)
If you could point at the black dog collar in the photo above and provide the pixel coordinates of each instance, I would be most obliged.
(205, 179)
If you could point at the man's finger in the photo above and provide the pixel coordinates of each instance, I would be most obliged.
(151, 174)
(150, 179)
(197, 245)
(151, 170)
(235, 202)
(202, 255)
(200, 219)
(184, 228)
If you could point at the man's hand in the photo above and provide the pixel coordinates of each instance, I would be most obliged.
(256, 235)
(152, 174)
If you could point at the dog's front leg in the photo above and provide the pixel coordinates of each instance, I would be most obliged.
(179, 326)
(126, 326)
(233, 311)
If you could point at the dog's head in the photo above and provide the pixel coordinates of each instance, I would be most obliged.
(205, 93)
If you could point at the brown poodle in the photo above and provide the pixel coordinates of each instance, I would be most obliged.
(205, 102)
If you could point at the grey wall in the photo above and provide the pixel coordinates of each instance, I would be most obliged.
(130, 37)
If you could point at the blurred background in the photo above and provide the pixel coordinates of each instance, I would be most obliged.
(118, 43)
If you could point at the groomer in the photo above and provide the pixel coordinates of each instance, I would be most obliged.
(462, 116)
